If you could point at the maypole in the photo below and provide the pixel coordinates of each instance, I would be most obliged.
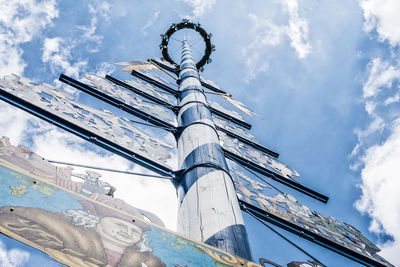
(208, 207)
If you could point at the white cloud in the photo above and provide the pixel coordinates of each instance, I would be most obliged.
(150, 22)
(60, 52)
(57, 52)
(379, 156)
(100, 11)
(18, 119)
(13, 257)
(268, 34)
(101, 8)
(380, 185)
(381, 75)
(383, 17)
(105, 68)
(200, 7)
(20, 22)
(392, 99)
(89, 34)
(297, 30)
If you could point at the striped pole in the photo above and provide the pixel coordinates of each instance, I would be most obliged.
(208, 207)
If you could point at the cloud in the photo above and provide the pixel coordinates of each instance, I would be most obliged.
(57, 52)
(21, 22)
(378, 92)
(89, 34)
(380, 184)
(378, 147)
(101, 8)
(13, 257)
(377, 153)
(381, 74)
(200, 7)
(105, 68)
(297, 31)
(61, 52)
(17, 119)
(268, 34)
(100, 11)
(384, 18)
(150, 22)
(392, 99)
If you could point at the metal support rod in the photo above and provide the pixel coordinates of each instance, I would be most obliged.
(208, 207)
(108, 169)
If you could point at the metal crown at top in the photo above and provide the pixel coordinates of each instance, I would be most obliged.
(186, 24)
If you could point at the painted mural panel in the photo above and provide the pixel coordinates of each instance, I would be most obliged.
(99, 121)
(286, 207)
(130, 98)
(256, 157)
(89, 183)
(80, 228)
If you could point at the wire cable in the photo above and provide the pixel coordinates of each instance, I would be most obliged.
(265, 181)
(196, 41)
(170, 129)
(176, 39)
(282, 236)
(159, 104)
(159, 68)
(109, 170)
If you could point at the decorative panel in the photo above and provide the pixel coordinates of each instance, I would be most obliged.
(211, 85)
(233, 128)
(152, 75)
(152, 90)
(256, 157)
(60, 105)
(228, 112)
(165, 64)
(158, 81)
(130, 98)
(289, 210)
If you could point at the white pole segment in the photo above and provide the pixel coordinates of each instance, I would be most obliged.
(209, 210)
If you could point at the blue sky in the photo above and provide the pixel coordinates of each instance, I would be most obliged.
(323, 75)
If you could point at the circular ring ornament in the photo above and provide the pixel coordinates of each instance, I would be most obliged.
(186, 24)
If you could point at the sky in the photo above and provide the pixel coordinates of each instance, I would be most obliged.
(324, 76)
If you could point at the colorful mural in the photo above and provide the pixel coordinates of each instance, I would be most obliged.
(43, 207)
